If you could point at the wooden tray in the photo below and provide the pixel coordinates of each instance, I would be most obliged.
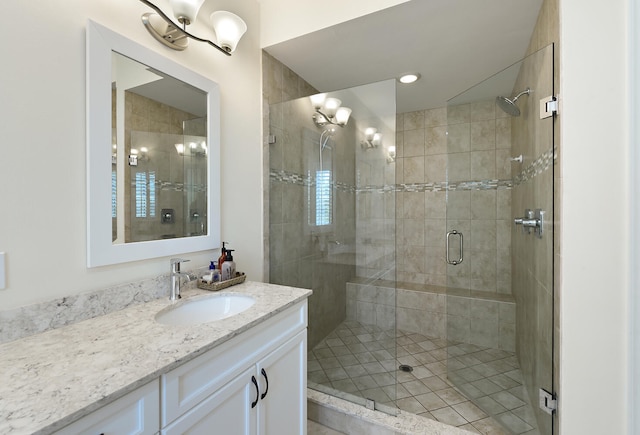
(216, 286)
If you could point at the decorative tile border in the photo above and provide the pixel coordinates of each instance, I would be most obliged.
(308, 181)
(537, 167)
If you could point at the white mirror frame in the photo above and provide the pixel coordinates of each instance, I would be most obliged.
(100, 249)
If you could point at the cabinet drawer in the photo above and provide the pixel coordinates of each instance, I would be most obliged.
(136, 413)
(186, 386)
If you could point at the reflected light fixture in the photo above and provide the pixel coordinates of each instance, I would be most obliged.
(391, 154)
(372, 139)
(409, 78)
(328, 111)
(229, 27)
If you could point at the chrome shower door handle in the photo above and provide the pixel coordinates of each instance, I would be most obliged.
(461, 237)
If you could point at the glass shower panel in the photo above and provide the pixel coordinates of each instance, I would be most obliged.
(499, 244)
(332, 229)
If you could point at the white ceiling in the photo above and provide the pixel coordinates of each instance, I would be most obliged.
(453, 44)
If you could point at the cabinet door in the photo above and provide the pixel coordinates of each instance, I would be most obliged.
(283, 404)
(137, 413)
(226, 412)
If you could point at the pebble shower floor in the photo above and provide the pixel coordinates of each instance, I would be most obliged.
(360, 360)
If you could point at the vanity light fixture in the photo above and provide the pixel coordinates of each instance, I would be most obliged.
(329, 111)
(372, 139)
(229, 27)
(409, 78)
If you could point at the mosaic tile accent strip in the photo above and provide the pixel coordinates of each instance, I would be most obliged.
(306, 180)
(539, 165)
(444, 186)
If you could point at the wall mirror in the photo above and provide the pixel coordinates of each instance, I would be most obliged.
(153, 153)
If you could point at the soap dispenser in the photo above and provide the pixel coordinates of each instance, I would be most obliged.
(228, 270)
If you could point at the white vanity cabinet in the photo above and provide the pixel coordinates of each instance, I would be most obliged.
(252, 384)
(137, 413)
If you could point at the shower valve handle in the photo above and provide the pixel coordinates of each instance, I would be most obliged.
(533, 220)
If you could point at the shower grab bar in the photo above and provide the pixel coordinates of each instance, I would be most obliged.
(459, 260)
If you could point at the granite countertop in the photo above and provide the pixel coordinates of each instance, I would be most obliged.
(51, 379)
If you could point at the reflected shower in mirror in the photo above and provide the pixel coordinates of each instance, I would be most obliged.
(159, 164)
(153, 153)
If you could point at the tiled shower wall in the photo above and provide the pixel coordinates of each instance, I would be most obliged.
(472, 142)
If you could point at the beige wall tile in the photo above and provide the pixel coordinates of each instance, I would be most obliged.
(414, 120)
(483, 165)
(436, 140)
(483, 135)
(459, 114)
(414, 143)
(435, 168)
(483, 110)
(459, 138)
(414, 170)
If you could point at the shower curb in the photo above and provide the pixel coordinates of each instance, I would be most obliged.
(349, 418)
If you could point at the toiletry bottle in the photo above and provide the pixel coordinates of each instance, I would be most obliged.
(222, 257)
(229, 266)
(215, 273)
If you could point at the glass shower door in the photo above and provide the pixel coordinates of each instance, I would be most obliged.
(499, 244)
(332, 229)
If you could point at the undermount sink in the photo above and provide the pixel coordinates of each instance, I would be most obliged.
(205, 309)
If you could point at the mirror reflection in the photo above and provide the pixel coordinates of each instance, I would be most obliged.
(159, 157)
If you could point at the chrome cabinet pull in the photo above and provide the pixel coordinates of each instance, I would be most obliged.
(459, 260)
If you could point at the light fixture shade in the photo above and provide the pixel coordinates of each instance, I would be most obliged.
(342, 115)
(317, 101)
(229, 29)
(377, 139)
(331, 105)
(185, 10)
(369, 132)
(180, 148)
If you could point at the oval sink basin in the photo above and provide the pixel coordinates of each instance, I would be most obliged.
(205, 309)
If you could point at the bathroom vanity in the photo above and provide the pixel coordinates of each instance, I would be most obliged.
(125, 372)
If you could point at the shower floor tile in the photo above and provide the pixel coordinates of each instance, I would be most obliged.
(363, 360)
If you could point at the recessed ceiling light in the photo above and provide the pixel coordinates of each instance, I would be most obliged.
(409, 78)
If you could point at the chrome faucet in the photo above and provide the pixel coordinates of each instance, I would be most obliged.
(175, 278)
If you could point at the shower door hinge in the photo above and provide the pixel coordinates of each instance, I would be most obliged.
(548, 106)
(271, 139)
(548, 401)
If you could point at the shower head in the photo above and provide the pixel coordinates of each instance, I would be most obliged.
(509, 106)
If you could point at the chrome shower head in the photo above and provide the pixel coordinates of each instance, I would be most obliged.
(509, 106)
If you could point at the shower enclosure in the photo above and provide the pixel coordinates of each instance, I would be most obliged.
(429, 251)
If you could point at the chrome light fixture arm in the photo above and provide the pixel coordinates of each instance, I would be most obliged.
(168, 38)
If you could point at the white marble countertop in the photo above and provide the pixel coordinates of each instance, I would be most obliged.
(51, 379)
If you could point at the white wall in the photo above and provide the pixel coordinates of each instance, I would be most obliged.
(282, 20)
(42, 140)
(595, 225)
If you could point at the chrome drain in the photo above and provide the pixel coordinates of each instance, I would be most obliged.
(406, 368)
